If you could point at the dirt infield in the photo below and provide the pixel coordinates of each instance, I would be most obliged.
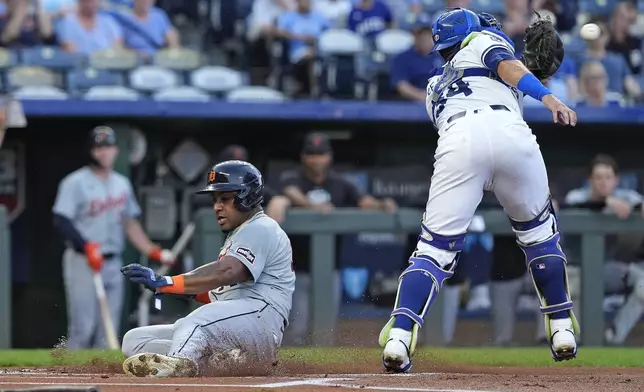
(288, 377)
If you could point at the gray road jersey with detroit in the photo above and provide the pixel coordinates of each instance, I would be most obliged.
(97, 207)
(264, 248)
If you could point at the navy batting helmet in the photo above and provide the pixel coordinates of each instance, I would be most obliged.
(240, 177)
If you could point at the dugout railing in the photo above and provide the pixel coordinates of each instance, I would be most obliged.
(323, 228)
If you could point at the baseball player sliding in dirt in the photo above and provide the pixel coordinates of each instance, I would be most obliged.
(247, 291)
(483, 144)
(94, 207)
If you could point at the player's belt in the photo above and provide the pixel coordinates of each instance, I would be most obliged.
(464, 112)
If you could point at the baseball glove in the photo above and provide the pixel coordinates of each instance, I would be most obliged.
(543, 51)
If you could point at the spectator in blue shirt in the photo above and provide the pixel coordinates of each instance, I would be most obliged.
(410, 69)
(301, 28)
(594, 83)
(369, 18)
(620, 79)
(146, 28)
(89, 31)
(24, 24)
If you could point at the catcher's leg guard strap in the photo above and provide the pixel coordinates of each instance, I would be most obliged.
(547, 265)
(418, 287)
(539, 239)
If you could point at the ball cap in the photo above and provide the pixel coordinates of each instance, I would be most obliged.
(102, 136)
(316, 143)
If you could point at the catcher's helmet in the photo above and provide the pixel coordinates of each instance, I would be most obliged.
(453, 26)
(240, 177)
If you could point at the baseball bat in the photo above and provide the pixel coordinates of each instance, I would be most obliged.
(179, 246)
(108, 324)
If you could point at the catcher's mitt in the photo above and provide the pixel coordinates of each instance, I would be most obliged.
(543, 51)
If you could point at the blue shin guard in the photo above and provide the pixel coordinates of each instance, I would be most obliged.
(546, 264)
(418, 288)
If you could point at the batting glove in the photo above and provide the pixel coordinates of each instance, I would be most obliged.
(94, 256)
(163, 256)
(146, 276)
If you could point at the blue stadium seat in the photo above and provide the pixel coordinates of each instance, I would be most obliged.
(494, 7)
(52, 58)
(339, 49)
(150, 78)
(598, 7)
(79, 81)
(640, 6)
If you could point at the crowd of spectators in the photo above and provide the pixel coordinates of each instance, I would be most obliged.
(360, 49)
(601, 72)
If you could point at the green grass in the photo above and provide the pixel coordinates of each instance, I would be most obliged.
(486, 356)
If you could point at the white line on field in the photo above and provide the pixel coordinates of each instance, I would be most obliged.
(322, 382)
(400, 389)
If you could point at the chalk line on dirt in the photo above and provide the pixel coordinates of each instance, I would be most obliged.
(321, 382)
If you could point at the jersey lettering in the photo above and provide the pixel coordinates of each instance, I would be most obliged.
(456, 88)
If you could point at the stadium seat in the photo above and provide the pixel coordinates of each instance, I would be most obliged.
(340, 42)
(178, 59)
(51, 57)
(81, 80)
(182, 93)
(23, 76)
(597, 7)
(40, 92)
(392, 42)
(114, 59)
(107, 93)
(339, 49)
(216, 79)
(8, 58)
(255, 93)
(640, 5)
(150, 78)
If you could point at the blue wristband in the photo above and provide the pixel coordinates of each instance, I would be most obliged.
(530, 85)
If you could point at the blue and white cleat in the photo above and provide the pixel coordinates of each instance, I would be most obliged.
(399, 346)
(562, 340)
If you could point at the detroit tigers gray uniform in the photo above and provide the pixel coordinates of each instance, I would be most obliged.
(249, 317)
(97, 209)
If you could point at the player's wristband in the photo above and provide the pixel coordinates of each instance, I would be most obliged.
(530, 85)
(176, 285)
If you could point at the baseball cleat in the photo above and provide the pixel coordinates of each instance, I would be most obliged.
(396, 356)
(157, 365)
(562, 342)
